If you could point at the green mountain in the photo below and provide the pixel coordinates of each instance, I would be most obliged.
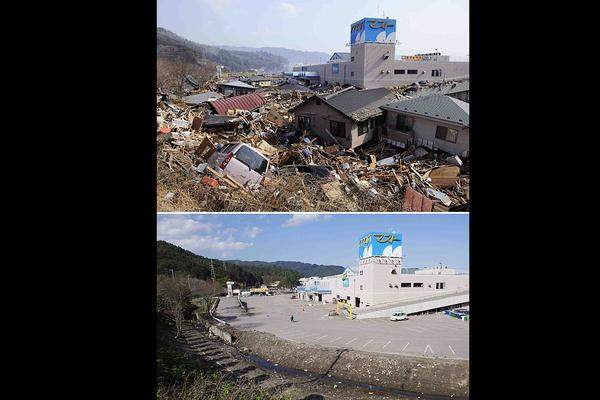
(304, 269)
(172, 46)
(183, 262)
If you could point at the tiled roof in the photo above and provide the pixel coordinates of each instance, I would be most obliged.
(246, 102)
(360, 104)
(436, 106)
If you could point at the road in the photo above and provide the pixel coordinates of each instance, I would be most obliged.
(433, 335)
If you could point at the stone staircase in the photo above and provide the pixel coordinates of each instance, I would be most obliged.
(226, 358)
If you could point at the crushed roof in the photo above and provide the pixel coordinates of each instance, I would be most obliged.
(259, 78)
(436, 106)
(200, 98)
(246, 102)
(239, 84)
(448, 88)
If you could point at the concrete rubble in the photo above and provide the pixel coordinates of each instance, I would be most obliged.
(305, 174)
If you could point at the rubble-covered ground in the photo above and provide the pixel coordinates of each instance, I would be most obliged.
(375, 177)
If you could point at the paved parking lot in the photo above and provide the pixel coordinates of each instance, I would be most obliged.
(433, 335)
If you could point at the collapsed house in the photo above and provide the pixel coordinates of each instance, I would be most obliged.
(201, 98)
(435, 122)
(348, 118)
(259, 81)
(458, 90)
(235, 88)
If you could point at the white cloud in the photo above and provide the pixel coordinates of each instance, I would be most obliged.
(198, 236)
(288, 8)
(298, 219)
(181, 226)
(253, 232)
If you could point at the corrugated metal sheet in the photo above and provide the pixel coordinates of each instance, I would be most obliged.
(246, 102)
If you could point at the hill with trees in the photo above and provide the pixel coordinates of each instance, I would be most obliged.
(304, 269)
(183, 263)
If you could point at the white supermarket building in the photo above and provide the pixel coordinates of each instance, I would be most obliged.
(380, 278)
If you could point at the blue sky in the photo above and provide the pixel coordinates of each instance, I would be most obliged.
(317, 25)
(318, 238)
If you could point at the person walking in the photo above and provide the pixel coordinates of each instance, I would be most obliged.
(291, 318)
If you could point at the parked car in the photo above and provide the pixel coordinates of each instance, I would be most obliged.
(398, 316)
(240, 162)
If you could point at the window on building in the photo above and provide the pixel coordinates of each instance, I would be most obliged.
(351, 73)
(405, 284)
(335, 68)
(338, 296)
(446, 134)
(404, 123)
(418, 284)
(352, 58)
(338, 128)
(394, 272)
(436, 72)
(412, 71)
(347, 297)
(391, 286)
(303, 122)
(399, 72)
(439, 285)
(360, 287)
(363, 127)
(360, 273)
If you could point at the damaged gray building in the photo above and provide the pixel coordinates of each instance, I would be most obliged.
(350, 117)
(435, 121)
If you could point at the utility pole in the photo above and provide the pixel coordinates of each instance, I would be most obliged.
(212, 271)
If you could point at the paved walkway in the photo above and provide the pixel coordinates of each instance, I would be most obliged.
(433, 335)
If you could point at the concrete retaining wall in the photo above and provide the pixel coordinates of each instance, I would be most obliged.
(225, 332)
(432, 376)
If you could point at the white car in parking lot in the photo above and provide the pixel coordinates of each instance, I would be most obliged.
(398, 316)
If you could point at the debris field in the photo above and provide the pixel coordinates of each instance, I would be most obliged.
(303, 173)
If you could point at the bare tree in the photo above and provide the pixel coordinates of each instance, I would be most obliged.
(206, 290)
(171, 73)
(174, 296)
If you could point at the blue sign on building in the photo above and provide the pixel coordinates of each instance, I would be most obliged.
(382, 244)
(373, 30)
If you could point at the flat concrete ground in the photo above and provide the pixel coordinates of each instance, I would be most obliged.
(432, 335)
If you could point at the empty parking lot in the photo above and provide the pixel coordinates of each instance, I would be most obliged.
(433, 335)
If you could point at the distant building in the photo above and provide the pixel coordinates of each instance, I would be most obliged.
(436, 121)
(350, 117)
(380, 279)
(235, 88)
(372, 62)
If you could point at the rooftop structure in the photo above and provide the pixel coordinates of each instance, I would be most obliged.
(372, 62)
